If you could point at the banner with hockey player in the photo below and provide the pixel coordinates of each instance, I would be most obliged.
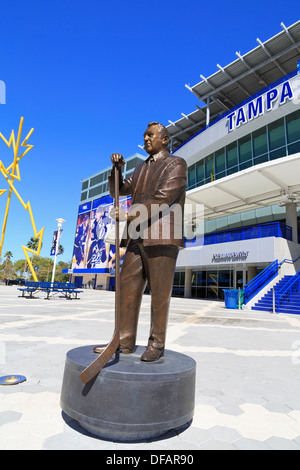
(81, 236)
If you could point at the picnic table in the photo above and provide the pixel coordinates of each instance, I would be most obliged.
(30, 288)
(69, 289)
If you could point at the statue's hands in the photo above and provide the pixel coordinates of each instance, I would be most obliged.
(117, 159)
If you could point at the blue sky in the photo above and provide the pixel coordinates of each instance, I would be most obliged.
(89, 75)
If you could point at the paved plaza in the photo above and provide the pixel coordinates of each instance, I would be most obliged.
(247, 386)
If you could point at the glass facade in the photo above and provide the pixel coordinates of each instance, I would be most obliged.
(276, 140)
(178, 284)
(97, 185)
(210, 284)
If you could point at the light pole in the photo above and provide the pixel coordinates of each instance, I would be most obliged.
(59, 224)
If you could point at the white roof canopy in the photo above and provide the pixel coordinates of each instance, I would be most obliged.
(263, 185)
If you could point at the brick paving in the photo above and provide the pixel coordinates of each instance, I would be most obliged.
(248, 373)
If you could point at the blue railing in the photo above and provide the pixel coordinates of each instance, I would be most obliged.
(286, 292)
(261, 280)
(287, 260)
(275, 229)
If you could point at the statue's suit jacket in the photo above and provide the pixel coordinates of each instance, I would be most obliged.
(159, 186)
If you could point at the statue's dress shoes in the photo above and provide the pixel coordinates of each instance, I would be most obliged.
(121, 349)
(152, 354)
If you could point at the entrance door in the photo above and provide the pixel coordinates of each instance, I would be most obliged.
(78, 281)
(212, 284)
(239, 279)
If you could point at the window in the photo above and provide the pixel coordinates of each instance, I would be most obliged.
(276, 140)
(231, 158)
(294, 148)
(245, 152)
(209, 169)
(133, 163)
(225, 278)
(200, 278)
(178, 284)
(192, 176)
(210, 284)
(200, 172)
(105, 187)
(212, 278)
(293, 127)
(281, 152)
(220, 163)
(198, 284)
(95, 191)
(97, 179)
(85, 185)
(276, 135)
(261, 159)
(260, 143)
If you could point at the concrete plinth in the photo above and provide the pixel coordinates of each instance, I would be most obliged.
(129, 399)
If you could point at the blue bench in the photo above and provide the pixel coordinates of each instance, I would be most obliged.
(31, 288)
(69, 289)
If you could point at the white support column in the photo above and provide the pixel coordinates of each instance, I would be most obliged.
(188, 283)
(291, 219)
(234, 278)
(207, 111)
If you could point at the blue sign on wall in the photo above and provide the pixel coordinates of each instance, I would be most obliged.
(260, 105)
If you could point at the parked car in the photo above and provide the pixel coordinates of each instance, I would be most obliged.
(16, 282)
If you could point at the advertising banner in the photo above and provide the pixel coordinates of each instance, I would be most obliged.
(81, 236)
(54, 242)
(94, 224)
(97, 250)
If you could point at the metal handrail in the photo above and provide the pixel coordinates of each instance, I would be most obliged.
(278, 229)
(286, 291)
(265, 276)
(286, 260)
(261, 280)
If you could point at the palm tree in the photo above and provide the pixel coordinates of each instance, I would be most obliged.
(8, 272)
(33, 243)
(7, 255)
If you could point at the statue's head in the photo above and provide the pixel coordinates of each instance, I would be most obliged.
(156, 138)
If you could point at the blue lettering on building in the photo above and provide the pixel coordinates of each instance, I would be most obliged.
(259, 106)
(255, 108)
(287, 93)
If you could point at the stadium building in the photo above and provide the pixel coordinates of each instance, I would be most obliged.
(242, 148)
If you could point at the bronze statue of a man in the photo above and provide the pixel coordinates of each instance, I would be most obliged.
(153, 237)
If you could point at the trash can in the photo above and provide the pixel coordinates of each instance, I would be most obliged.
(231, 298)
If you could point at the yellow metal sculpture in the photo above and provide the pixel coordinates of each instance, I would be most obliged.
(12, 173)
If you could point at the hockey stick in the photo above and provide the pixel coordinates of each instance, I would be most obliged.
(94, 368)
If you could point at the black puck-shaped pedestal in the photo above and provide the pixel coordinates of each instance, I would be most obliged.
(129, 399)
